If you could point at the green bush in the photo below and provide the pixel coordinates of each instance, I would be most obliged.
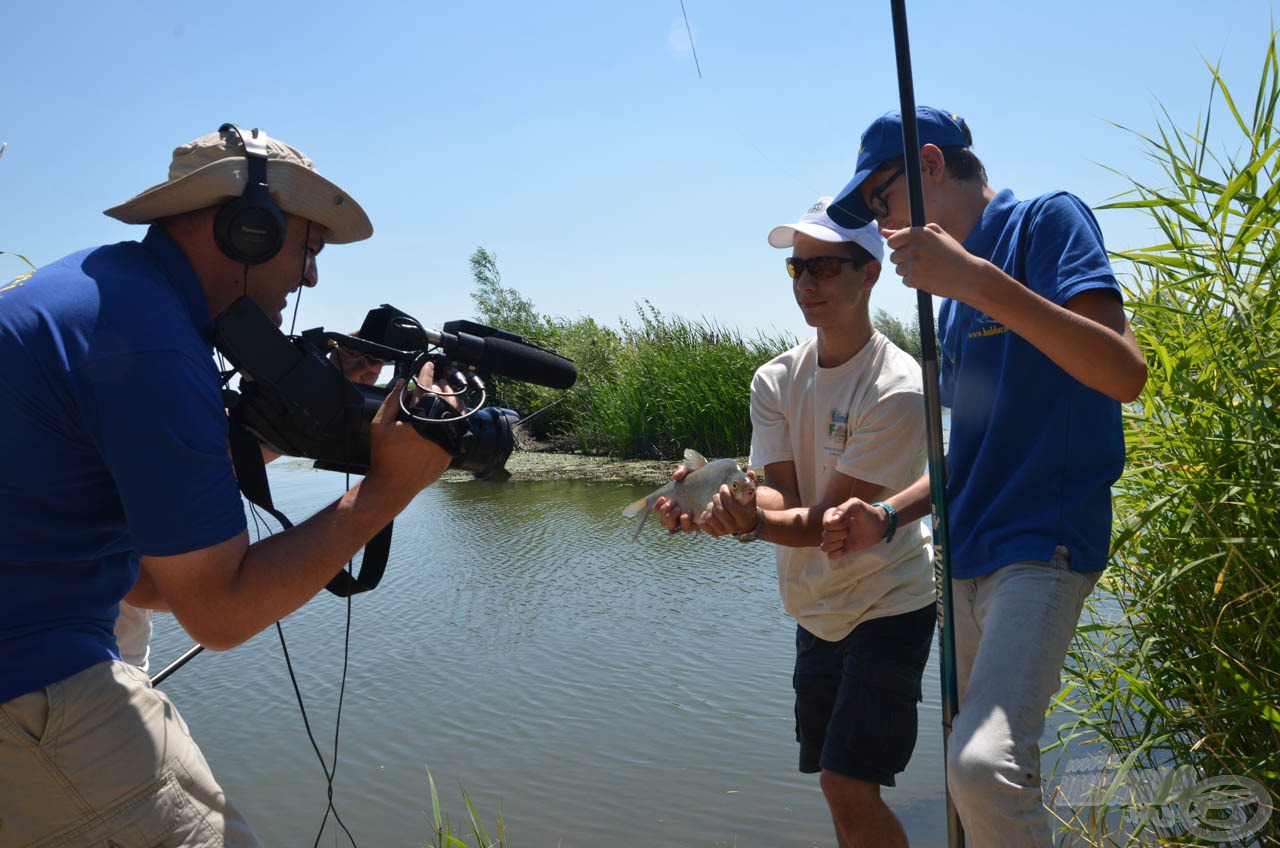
(901, 334)
(1189, 676)
(677, 384)
(590, 346)
(649, 390)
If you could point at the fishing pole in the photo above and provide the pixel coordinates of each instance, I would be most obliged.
(187, 657)
(933, 416)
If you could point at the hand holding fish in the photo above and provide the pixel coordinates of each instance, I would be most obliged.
(726, 515)
(693, 487)
(852, 526)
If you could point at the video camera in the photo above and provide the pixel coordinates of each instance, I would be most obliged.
(294, 398)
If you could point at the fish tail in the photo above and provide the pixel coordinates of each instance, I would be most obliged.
(644, 516)
(635, 507)
(640, 508)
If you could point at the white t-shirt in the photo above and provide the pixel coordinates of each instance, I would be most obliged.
(133, 635)
(863, 418)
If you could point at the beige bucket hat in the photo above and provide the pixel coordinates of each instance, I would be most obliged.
(213, 169)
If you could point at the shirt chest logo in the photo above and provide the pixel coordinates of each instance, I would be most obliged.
(837, 431)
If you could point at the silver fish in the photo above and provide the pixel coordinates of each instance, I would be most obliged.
(695, 491)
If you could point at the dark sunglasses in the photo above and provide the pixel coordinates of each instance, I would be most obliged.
(819, 267)
(879, 206)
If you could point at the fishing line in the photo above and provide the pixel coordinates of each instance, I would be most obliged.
(770, 160)
(539, 412)
(689, 30)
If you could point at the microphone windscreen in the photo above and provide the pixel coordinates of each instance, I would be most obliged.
(530, 364)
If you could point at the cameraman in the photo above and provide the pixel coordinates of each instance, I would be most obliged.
(117, 481)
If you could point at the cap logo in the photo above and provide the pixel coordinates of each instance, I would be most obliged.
(820, 206)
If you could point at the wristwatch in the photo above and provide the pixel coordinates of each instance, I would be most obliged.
(755, 532)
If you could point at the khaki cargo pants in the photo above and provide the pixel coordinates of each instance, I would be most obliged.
(102, 760)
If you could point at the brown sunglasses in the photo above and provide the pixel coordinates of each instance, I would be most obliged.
(819, 267)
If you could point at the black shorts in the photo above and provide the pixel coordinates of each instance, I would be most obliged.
(856, 698)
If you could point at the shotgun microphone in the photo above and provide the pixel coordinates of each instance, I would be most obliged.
(473, 346)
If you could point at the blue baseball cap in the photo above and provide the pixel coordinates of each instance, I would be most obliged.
(883, 141)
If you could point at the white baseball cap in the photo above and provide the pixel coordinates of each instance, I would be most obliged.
(816, 223)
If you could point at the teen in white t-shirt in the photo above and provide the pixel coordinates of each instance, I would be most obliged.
(837, 417)
(860, 419)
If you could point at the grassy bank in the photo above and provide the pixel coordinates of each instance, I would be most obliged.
(540, 465)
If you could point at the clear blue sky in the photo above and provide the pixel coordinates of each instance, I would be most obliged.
(575, 140)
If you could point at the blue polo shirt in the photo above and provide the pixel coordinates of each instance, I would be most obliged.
(1033, 452)
(115, 445)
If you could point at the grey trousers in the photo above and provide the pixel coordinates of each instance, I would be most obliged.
(1012, 630)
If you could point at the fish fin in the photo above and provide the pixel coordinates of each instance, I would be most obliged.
(644, 516)
(635, 507)
(693, 460)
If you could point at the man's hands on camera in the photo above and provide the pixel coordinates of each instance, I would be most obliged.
(399, 456)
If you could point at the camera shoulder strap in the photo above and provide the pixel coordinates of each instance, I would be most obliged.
(251, 475)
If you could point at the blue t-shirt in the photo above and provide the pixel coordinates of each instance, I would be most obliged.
(115, 446)
(1033, 452)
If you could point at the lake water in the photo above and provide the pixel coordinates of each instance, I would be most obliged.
(602, 692)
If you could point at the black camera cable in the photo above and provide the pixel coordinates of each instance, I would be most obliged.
(302, 278)
(329, 773)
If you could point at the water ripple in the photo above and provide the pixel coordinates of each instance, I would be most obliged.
(603, 691)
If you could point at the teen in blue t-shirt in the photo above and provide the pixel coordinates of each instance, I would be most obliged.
(1037, 357)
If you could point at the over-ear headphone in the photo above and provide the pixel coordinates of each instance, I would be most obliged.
(251, 228)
